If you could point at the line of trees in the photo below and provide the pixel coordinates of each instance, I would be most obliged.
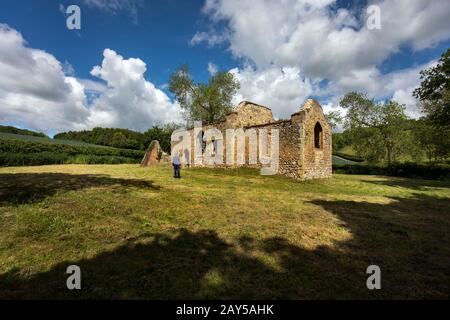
(123, 138)
(381, 132)
(24, 132)
(208, 102)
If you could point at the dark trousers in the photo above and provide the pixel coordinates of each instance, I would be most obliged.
(177, 171)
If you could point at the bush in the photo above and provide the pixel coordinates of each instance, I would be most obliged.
(409, 170)
(28, 147)
(8, 159)
(45, 158)
(88, 159)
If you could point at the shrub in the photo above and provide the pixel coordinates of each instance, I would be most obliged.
(409, 170)
(28, 147)
(8, 159)
(30, 153)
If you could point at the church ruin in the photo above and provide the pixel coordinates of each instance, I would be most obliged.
(305, 149)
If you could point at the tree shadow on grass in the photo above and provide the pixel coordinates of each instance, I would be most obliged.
(21, 188)
(407, 238)
(414, 184)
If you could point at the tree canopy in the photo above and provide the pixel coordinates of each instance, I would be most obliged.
(377, 130)
(334, 118)
(123, 138)
(434, 91)
(208, 102)
(24, 132)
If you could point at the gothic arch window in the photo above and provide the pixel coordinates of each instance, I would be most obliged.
(318, 136)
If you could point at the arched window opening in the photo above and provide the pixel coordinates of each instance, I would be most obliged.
(318, 136)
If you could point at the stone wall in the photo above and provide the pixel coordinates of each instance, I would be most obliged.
(152, 154)
(316, 162)
(298, 158)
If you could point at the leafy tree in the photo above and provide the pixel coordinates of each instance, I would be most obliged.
(162, 134)
(123, 138)
(434, 91)
(209, 102)
(376, 129)
(434, 97)
(119, 140)
(435, 143)
(340, 140)
(334, 118)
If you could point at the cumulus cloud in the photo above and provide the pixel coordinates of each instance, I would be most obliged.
(401, 84)
(129, 101)
(212, 38)
(281, 89)
(327, 43)
(324, 42)
(212, 68)
(38, 92)
(34, 89)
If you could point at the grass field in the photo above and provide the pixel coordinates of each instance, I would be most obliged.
(138, 233)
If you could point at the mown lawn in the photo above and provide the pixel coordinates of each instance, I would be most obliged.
(139, 233)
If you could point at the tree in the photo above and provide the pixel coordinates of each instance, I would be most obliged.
(119, 140)
(334, 118)
(434, 98)
(209, 102)
(162, 134)
(376, 129)
(434, 91)
(435, 143)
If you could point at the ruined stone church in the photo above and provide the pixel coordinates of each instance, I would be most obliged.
(305, 149)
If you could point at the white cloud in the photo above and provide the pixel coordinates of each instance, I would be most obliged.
(212, 38)
(401, 84)
(129, 101)
(34, 89)
(115, 6)
(321, 41)
(329, 44)
(282, 90)
(36, 92)
(212, 68)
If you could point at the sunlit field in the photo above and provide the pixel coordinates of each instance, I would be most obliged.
(228, 234)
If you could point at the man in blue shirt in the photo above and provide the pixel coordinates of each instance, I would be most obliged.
(176, 166)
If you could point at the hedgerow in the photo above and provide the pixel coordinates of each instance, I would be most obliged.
(27, 153)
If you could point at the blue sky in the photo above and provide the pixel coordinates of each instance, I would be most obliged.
(281, 52)
(161, 35)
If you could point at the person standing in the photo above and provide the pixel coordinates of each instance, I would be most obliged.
(176, 166)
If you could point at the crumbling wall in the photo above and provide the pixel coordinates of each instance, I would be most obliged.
(298, 156)
(152, 154)
(316, 161)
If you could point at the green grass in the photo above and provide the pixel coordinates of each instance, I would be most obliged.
(139, 233)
